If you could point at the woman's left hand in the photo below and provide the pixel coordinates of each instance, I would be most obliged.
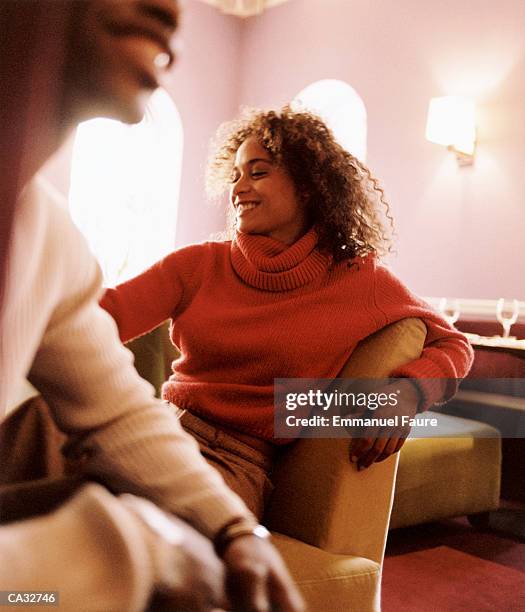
(378, 443)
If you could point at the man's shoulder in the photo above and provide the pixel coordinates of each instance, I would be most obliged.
(43, 208)
(58, 246)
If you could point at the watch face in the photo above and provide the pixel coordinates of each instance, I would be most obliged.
(261, 532)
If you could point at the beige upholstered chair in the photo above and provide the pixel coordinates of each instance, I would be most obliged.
(330, 522)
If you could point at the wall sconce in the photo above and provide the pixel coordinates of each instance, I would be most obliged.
(452, 122)
(243, 8)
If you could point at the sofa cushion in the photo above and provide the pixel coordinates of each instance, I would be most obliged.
(453, 473)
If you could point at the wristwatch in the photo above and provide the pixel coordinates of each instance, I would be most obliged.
(237, 529)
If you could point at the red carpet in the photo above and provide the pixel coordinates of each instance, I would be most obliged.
(446, 580)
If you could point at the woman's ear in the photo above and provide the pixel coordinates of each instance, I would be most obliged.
(303, 196)
(307, 204)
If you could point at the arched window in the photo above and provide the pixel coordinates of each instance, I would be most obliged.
(125, 188)
(342, 109)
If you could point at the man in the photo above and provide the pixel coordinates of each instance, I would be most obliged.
(63, 62)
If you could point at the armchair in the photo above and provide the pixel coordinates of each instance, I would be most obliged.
(329, 521)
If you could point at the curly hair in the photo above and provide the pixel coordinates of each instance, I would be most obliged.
(344, 201)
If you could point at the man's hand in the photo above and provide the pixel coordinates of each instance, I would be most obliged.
(188, 575)
(378, 443)
(257, 579)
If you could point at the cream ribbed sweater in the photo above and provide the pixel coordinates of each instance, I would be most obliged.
(54, 333)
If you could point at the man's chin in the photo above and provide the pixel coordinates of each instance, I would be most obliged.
(127, 107)
(131, 109)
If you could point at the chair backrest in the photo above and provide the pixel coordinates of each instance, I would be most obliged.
(319, 496)
(154, 354)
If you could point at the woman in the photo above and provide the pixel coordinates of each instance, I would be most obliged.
(289, 297)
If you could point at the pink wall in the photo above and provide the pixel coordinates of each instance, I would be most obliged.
(204, 86)
(460, 230)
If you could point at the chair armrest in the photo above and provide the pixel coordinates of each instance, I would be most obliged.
(328, 503)
(319, 496)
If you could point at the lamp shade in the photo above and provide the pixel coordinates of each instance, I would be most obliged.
(452, 122)
(243, 8)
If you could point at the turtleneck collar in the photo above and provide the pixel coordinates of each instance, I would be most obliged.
(270, 265)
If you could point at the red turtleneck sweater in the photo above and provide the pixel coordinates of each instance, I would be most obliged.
(248, 311)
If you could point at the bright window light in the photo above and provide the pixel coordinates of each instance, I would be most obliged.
(125, 188)
(342, 109)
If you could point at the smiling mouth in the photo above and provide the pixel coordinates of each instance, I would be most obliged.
(244, 207)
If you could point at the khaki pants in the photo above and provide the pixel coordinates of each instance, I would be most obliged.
(244, 462)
